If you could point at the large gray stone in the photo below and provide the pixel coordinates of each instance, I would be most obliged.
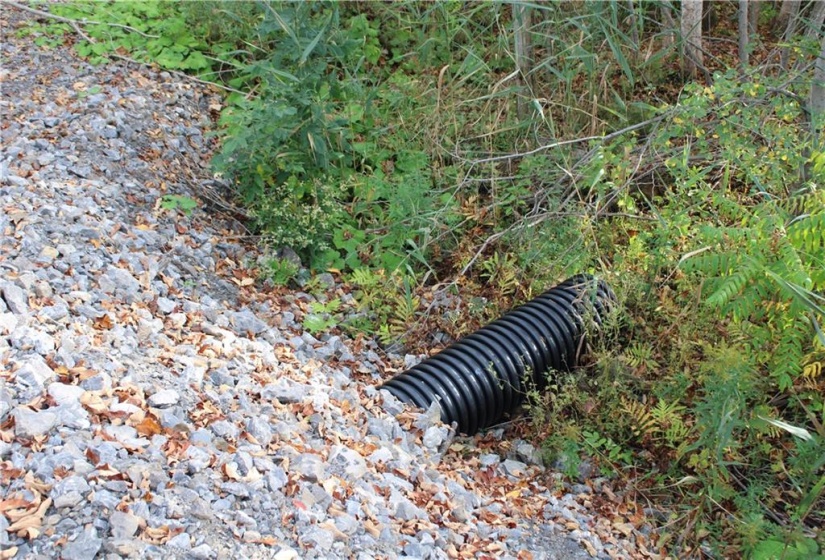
(66, 394)
(28, 424)
(123, 525)
(164, 398)
(16, 299)
(84, 547)
(35, 373)
(245, 321)
(27, 338)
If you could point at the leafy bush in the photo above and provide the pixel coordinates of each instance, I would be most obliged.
(389, 141)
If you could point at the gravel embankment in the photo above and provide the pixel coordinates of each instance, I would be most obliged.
(157, 402)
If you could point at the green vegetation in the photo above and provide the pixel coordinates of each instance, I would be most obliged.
(395, 143)
(178, 202)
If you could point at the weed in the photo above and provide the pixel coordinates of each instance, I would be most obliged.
(178, 202)
(280, 271)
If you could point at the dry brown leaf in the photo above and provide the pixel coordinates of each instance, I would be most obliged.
(29, 533)
(156, 535)
(149, 426)
(336, 532)
(93, 401)
(15, 502)
(36, 485)
(372, 528)
(105, 471)
(31, 521)
(625, 528)
(82, 373)
(92, 455)
(10, 552)
(103, 323)
(591, 550)
(230, 470)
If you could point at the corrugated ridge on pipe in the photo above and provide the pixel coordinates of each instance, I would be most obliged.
(486, 375)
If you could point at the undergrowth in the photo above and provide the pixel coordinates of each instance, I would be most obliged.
(397, 144)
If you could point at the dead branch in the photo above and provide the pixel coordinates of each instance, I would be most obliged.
(76, 22)
(76, 26)
(602, 138)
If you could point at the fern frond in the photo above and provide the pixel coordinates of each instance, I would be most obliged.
(789, 352)
(808, 233)
(666, 413)
(640, 419)
(813, 370)
(734, 285)
(713, 264)
(806, 203)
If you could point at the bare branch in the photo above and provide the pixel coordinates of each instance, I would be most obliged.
(75, 22)
(602, 138)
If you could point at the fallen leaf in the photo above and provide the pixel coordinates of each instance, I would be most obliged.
(149, 426)
(93, 401)
(371, 528)
(36, 485)
(156, 535)
(105, 471)
(625, 528)
(103, 323)
(336, 532)
(15, 502)
(31, 521)
(230, 470)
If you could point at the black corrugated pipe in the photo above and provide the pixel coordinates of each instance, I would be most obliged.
(485, 375)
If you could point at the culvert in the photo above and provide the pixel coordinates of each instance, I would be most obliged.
(486, 375)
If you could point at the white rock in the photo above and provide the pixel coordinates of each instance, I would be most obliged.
(35, 373)
(28, 423)
(123, 524)
(65, 394)
(16, 298)
(164, 398)
(8, 322)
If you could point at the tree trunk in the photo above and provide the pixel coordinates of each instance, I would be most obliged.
(817, 100)
(816, 20)
(634, 28)
(691, 24)
(753, 17)
(743, 35)
(787, 21)
(523, 52)
(669, 35)
(787, 16)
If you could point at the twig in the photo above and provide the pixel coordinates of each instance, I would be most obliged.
(76, 25)
(75, 22)
(178, 73)
(602, 138)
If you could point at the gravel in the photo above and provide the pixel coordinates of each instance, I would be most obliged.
(154, 406)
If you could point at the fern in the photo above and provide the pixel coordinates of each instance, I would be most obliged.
(639, 418)
(813, 370)
(765, 275)
(787, 361)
